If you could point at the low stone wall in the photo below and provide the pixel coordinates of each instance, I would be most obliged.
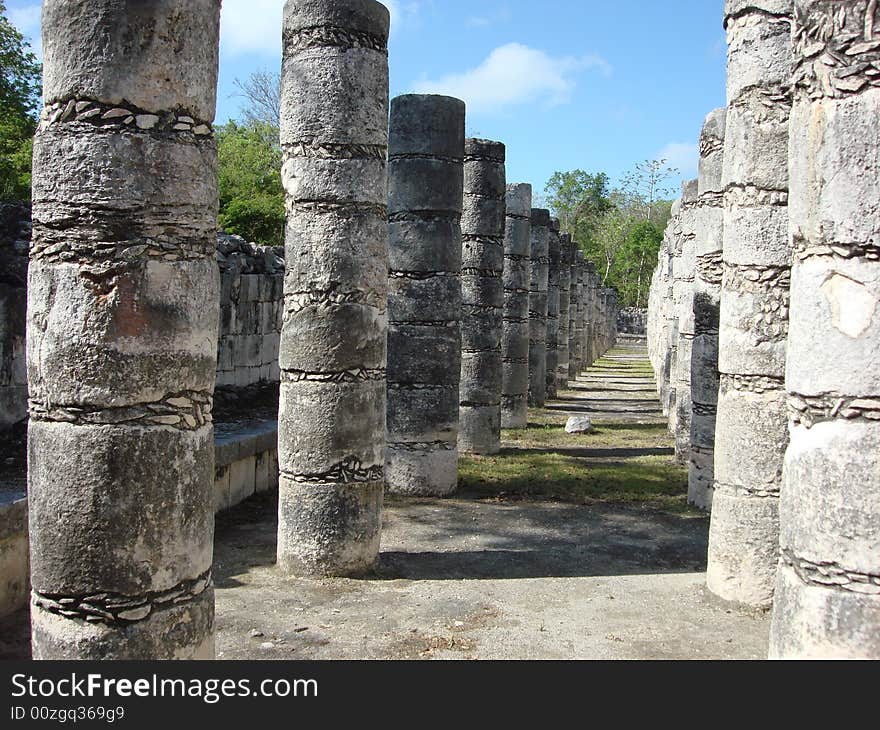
(251, 296)
(246, 456)
(14, 243)
(632, 321)
(246, 462)
(14, 579)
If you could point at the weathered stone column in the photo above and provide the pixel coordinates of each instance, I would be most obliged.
(827, 602)
(684, 300)
(613, 311)
(123, 313)
(334, 132)
(667, 315)
(706, 308)
(482, 290)
(751, 430)
(538, 284)
(554, 246)
(676, 292)
(575, 319)
(602, 322)
(652, 329)
(590, 327)
(515, 339)
(591, 314)
(563, 355)
(424, 341)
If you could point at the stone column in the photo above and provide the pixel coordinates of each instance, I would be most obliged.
(482, 291)
(515, 339)
(684, 299)
(585, 314)
(123, 314)
(751, 429)
(652, 329)
(613, 312)
(575, 321)
(538, 284)
(331, 430)
(706, 308)
(602, 322)
(554, 257)
(667, 310)
(591, 315)
(424, 341)
(563, 355)
(827, 602)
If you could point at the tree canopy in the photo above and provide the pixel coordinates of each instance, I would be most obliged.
(619, 229)
(20, 84)
(251, 194)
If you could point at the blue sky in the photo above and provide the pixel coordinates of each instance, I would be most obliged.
(591, 84)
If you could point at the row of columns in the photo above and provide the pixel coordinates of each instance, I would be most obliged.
(783, 395)
(416, 313)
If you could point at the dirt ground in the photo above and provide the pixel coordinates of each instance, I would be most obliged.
(492, 574)
(504, 576)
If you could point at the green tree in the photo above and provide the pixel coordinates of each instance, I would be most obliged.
(579, 199)
(619, 229)
(251, 194)
(639, 251)
(20, 80)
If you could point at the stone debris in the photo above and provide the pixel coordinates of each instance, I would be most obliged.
(579, 424)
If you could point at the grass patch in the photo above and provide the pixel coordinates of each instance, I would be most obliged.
(653, 481)
(548, 429)
(615, 464)
(535, 465)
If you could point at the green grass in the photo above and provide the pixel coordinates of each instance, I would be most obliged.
(547, 429)
(653, 481)
(535, 465)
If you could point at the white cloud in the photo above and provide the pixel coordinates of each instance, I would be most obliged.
(254, 26)
(503, 15)
(683, 156)
(514, 74)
